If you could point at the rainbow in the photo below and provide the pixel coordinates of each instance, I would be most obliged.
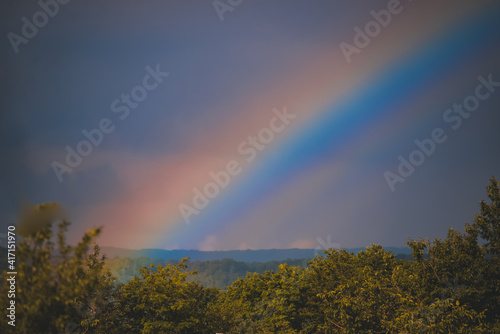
(374, 100)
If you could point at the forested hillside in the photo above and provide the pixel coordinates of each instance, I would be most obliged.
(450, 286)
(248, 255)
(218, 273)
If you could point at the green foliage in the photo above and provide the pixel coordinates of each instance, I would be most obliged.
(217, 273)
(471, 261)
(55, 286)
(162, 301)
(450, 286)
(269, 302)
(358, 293)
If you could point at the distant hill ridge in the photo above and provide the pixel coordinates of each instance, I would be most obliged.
(260, 255)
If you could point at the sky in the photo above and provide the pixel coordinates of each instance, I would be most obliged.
(250, 124)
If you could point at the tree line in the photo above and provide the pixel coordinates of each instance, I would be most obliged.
(451, 285)
(215, 273)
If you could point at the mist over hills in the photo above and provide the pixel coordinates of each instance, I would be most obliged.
(260, 255)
